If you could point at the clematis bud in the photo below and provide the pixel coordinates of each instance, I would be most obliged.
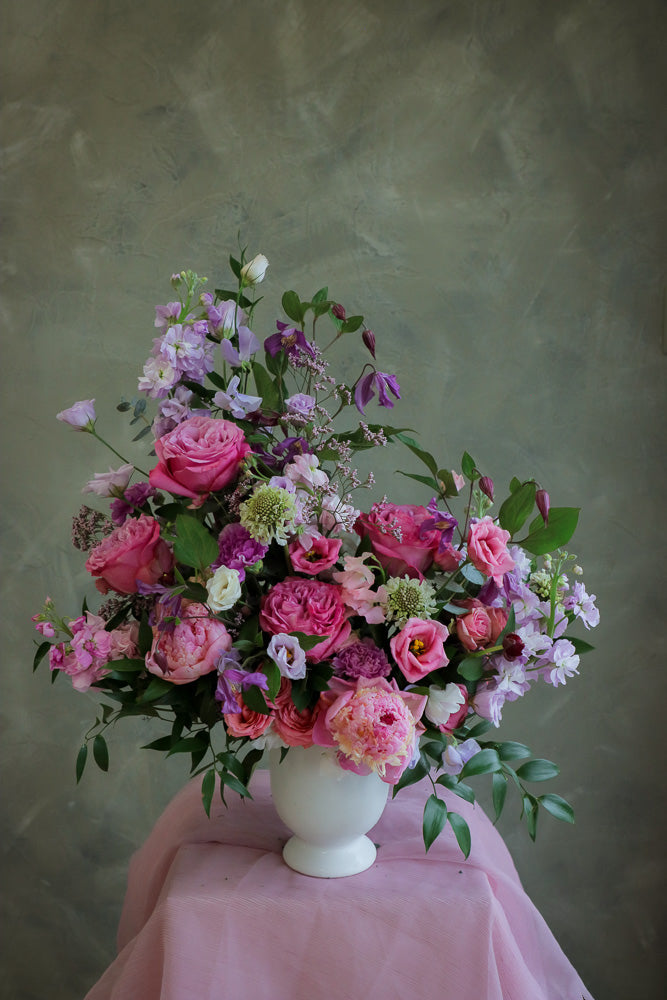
(486, 486)
(338, 311)
(543, 504)
(253, 272)
(512, 646)
(368, 338)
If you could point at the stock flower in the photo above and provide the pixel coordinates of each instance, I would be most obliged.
(110, 484)
(356, 581)
(253, 272)
(190, 649)
(379, 382)
(269, 513)
(487, 549)
(80, 416)
(582, 606)
(158, 378)
(132, 552)
(419, 648)
(309, 606)
(198, 457)
(224, 589)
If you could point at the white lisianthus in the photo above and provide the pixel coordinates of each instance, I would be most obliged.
(253, 272)
(224, 589)
(443, 703)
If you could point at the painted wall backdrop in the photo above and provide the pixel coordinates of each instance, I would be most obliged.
(485, 181)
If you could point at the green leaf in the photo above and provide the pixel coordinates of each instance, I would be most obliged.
(266, 387)
(480, 728)
(126, 666)
(308, 642)
(235, 266)
(254, 698)
(411, 775)
(558, 807)
(292, 306)
(421, 454)
(101, 752)
(447, 480)
(321, 295)
(530, 809)
(81, 759)
(510, 750)
(514, 511)
(207, 790)
(194, 545)
(163, 744)
(580, 645)
(458, 787)
(231, 781)
(351, 324)
(482, 763)
(468, 467)
(426, 480)
(42, 650)
(499, 791)
(470, 573)
(273, 675)
(157, 688)
(143, 432)
(562, 525)
(461, 832)
(435, 817)
(538, 770)
(145, 635)
(471, 668)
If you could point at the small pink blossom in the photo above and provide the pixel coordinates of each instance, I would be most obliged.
(481, 626)
(356, 581)
(487, 549)
(110, 484)
(80, 416)
(314, 553)
(419, 648)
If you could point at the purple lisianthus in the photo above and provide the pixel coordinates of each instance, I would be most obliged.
(361, 659)
(134, 496)
(111, 483)
(289, 339)
(288, 656)
(300, 403)
(80, 416)
(379, 382)
(238, 549)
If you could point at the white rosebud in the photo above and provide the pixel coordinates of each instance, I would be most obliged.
(253, 272)
(224, 589)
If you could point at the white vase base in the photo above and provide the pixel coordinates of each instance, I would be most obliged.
(348, 858)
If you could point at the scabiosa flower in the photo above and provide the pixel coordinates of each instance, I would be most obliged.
(405, 598)
(269, 513)
(361, 659)
(379, 382)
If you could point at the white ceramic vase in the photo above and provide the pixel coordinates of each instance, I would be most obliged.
(329, 810)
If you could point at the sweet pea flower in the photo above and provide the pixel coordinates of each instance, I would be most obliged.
(110, 484)
(248, 345)
(80, 416)
(238, 403)
(379, 382)
(455, 756)
(253, 272)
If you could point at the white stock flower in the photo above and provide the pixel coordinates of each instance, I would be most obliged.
(224, 589)
(253, 272)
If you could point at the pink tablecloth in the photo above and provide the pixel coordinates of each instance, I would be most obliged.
(213, 913)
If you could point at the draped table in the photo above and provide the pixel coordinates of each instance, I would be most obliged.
(213, 913)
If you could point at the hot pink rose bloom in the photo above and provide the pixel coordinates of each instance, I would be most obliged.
(487, 549)
(419, 648)
(373, 724)
(410, 554)
(481, 626)
(132, 552)
(189, 650)
(319, 554)
(246, 722)
(199, 456)
(293, 726)
(308, 606)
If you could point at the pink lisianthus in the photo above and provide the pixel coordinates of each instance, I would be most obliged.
(199, 456)
(190, 649)
(246, 722)
(393, 531)
(419, 648)
(294, 726)
(356, 580)
(308, 606)
(373, 725)
(487, 549)
(132, 552)
(314, 554)
(481, 626)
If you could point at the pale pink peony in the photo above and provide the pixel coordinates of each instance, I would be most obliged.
(199, 456)
(394, 533)
(314, 554)
(133, 552)
(487, 549)
(419, 648)
(308, 606)
(190, 649)
(481, 626)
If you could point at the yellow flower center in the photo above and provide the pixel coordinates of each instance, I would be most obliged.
(417, 647)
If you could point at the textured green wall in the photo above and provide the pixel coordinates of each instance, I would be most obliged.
(486, 182)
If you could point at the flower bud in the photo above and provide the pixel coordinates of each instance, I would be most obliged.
(512, 646)
(368, 338)
(338, 311)
(253, 272)
(486, 486)
(80, 416)
(542, 501)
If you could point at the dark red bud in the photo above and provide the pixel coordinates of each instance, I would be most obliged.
(486, 486)
(542, 501)
(368, 338)
(338, 311)
(512, 646)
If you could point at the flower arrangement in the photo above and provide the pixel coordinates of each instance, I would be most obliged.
(251, 605)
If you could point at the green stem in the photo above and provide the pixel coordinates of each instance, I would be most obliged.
(117, 453)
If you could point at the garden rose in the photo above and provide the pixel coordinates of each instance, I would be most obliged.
(201, 455)
(408, 554)
(191, 648)
(481, 626)
(294, 726)
(487, 549)
(419, 648)
(246, 722)
(308, 606)
(132, 552)
(315, 554)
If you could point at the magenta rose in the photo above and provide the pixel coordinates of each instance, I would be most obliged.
(191, 648)
(393, 531)
(481, 626)
(133, 552)
(320, 554)
(419, 648)
(199, 456)
(308, 606)
(487, 549)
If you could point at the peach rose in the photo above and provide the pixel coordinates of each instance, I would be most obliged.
(487, 549)
(481, 626)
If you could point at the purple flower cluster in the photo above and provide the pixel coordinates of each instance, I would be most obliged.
(238, 549)
(361, 659)
(134, 497)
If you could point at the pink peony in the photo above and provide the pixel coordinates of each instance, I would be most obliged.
(246, 722)
(190, 649)
(201, 455)
(374, 726)
(487, 549)
(308, 606)
(419, 648)
(393, 531)
(481, 626)
(314, 555)
(132, 552)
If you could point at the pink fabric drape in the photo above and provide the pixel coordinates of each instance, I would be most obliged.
(213, 913)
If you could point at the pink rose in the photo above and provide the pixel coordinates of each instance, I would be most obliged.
(246, 722)
(481, 626)
(294, 726)
(189, 650)
(312, 558)
(393, 531)
(198, 456)
(308, 606)
(487, 549)
(132, 552)
(419, 648)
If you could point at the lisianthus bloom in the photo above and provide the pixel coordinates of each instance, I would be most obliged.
(487, 549)
(224, 589)
(314, 553)
(253, 272)
(190, 649)
(132, 552)
(80, 416)
(288, 655)
(419, 648)
(110, 484)
(373, 724)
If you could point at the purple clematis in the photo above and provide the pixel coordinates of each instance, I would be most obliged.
(378, 382)
(289, 339)
(440, 520)
(233, 678)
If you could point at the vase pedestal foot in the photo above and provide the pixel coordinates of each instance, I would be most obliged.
(332, 861)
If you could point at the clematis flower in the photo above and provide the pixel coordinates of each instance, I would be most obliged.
(289, 339)
(379, 382)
